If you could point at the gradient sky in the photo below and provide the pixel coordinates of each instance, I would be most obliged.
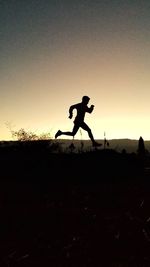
(54, 52)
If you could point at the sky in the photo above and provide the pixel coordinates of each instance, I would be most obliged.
(54, 52)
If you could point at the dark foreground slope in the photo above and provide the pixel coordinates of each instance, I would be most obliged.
(90, 209)
(36, 160)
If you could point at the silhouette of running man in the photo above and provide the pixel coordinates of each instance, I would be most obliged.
(81, 108)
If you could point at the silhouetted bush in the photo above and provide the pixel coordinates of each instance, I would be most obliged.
(141, 147)
(23, 135)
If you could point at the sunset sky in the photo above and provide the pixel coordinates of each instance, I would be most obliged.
(54, 52)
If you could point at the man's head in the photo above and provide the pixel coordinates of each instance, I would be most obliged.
(85, 99)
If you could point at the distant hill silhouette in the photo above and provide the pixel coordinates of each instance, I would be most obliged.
(130, 145)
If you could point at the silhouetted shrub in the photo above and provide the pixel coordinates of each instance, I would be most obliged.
(141, 147)
(23, 135)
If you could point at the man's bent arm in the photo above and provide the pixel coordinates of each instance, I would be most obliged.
(89, 110)
(71, 111)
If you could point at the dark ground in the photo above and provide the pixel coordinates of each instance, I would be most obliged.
(60, 210)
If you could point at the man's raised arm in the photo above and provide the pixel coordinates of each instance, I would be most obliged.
(89, 110)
